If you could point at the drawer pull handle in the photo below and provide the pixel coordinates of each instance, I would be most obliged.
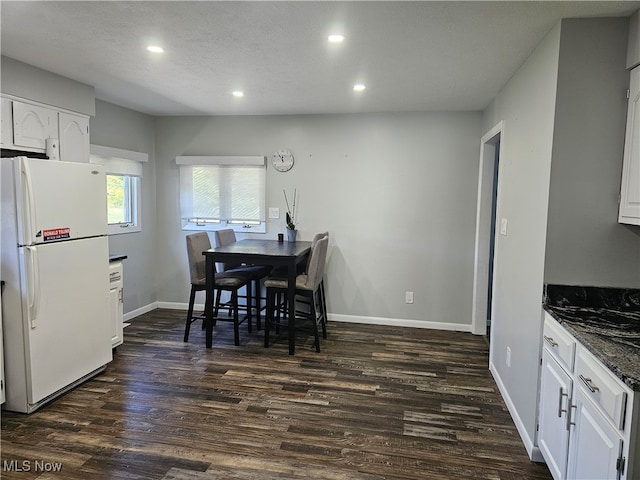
(589, 384)
(560, 409)
(551, 341)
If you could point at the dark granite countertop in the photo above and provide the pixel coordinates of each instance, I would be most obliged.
(116, 257)
(605, 321)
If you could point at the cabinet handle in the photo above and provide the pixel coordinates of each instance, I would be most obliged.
(560, 409)
(589, 384)
(569, 410)
(551, 341)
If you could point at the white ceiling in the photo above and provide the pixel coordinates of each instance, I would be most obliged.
(412, 56)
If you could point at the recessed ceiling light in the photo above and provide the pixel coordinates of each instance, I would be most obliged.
(155, 49)
(335, 38)
(358, 87)
(238, 94)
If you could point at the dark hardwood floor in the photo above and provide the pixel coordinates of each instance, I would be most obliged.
(377, 403)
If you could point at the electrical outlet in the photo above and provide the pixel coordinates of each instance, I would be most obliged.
(274, 212)
(408, 297)
(508, 360)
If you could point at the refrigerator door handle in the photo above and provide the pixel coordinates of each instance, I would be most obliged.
(33, 285)
(29, 203)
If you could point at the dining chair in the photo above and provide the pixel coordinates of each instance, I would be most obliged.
(308, 287)
(225, 281)
(281, 274)
(255, 272)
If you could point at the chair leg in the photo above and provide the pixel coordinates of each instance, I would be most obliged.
(268, 316)
(279, 312)
(249, 327)
(323, 299)
(312, 307)
(192, 298)
(323, 312)
(217, 305)
(257, 289)
(236, 322)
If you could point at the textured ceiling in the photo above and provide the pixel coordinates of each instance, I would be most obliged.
(411, 55)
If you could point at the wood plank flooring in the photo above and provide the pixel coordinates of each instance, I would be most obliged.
(376, 403)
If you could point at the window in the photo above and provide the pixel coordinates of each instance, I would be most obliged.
(122, 200)
(124, 183)
(222, 192)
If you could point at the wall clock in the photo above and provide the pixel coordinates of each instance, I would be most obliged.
(282, 160)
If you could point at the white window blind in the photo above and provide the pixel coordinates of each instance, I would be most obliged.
(222, 192)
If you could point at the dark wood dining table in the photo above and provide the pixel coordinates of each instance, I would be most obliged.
(256, 252)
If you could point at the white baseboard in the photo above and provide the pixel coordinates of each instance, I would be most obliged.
(197, 307)
(399, 322)
(532, 450)
(336, 317)
(139, 311)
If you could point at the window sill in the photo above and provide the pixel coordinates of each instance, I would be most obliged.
(223, 226)
(120, 229)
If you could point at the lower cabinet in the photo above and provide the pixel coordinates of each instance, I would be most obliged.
(596, 449)
(587, 423)
(116, 303)
(553, 434)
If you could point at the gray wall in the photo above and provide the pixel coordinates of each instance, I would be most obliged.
(397, 192)
(585, 243)
(32, 83)
(527, 106)
(119, 127)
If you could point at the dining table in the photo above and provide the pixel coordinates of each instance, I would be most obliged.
(256, 252)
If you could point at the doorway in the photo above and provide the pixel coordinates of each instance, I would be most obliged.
(486, 219)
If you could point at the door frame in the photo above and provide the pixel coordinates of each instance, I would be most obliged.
(483, 227)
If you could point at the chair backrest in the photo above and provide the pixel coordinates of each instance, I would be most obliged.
(223, 238)
(196, 244)
(316, 263)
(316, 237)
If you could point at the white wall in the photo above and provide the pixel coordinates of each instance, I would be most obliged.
(527, 106)
(397, 193)
(585, 243)
(119, 127)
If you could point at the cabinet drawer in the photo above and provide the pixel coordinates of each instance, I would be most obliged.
(559, 342)
(601, 386)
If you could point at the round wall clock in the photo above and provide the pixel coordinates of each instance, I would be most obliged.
(282, 160)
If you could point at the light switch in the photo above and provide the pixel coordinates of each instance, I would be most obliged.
(503, 226)
(274, 213)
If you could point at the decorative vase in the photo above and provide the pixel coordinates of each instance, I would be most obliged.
(291, 235)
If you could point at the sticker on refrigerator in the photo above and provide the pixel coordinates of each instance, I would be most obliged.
(55, 234)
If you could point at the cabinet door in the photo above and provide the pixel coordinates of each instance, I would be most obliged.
(115, 303)
(553, 434)
(74, 137)
(630, 187)
(6, 123)
(113, 315)
(32, 125)
(595, 444)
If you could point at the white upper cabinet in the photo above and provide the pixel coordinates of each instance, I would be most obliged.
(630, 188)
(32, 125)
(27, 126)
(74, 137)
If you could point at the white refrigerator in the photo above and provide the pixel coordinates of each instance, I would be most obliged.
(54, 261)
